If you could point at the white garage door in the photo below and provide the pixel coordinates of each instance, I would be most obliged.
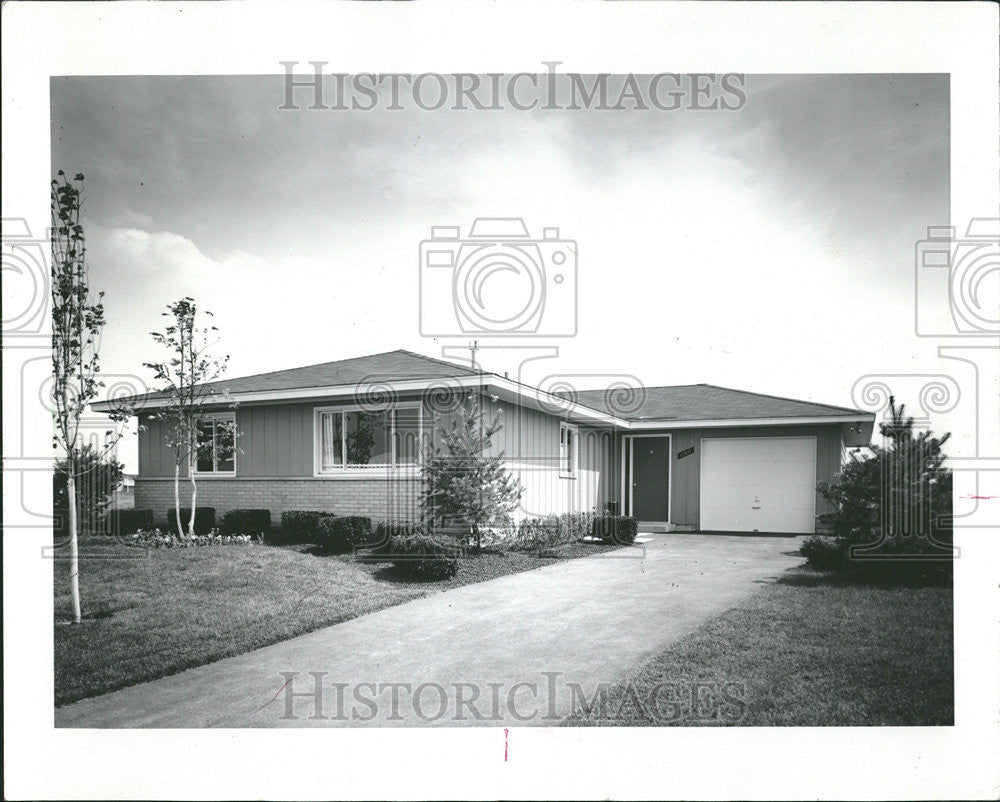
(758, 484)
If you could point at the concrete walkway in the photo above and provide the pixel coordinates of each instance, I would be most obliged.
(517, 650)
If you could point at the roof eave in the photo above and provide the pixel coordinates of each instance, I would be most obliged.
(860, 417)
(510, 390)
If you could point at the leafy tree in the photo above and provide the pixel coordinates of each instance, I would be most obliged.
(98, 476)
(893, 503)
(186, 376)
(77, 321)
(469, 486)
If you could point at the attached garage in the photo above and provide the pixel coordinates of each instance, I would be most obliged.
(758, 484)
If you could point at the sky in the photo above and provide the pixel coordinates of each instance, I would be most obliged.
(768, 248)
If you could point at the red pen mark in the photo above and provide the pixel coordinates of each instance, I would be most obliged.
(980, 498)
(505, 733)
(273, 697)
(310, 593)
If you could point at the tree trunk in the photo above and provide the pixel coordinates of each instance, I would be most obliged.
(74, 554)
(194, 496)
(177, 499)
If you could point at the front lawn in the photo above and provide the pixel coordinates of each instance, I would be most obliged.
(150, 613)
(811, 650)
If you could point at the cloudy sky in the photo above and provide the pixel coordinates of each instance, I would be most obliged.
(768, 248)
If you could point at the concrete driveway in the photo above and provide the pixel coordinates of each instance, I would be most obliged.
(519, 650)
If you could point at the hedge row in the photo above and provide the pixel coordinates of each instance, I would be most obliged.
(339, 533)
(127, 522)
(617, 529)
(204, 520)
(424, 556)
(301, 526)
(556, 530)
(245, 522)
(381, 540)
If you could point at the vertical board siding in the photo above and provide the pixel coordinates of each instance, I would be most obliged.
(283, 428)
(277, 440)
(156, 458)
(253, 446)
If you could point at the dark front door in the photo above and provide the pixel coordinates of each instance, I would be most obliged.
(651, 478)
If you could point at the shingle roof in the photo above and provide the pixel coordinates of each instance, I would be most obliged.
(397, 365)
(700, 402)
(680, 403)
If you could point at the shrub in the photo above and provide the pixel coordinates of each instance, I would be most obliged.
(617, 529)
(577, 525)
(380, 540)
(890, 512)
(97, 477)
(126, 522)
(424, 556)
(553, 530)
(204, 519)
(823, 553)
(539, 533)
(343, 533)
(246, 522)
(300, 526)
(499, 537)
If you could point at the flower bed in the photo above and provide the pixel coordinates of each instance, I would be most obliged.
(158, 539)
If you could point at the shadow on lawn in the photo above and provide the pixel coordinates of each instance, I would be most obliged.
(391, 573)
(878, 574)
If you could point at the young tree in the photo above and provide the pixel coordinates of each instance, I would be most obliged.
(77, 320)
(468, 486)
(894, 503)
(186, 376)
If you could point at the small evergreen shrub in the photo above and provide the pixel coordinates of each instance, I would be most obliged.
(300, 526)
(539, 533)
(245, 522)
(823, 553)
(127, 522)
(380, 541)
(577, 525)
(551, 531)
(890, 511)
(343, 532)
(424, 556)
(616, 529)
(204, 520)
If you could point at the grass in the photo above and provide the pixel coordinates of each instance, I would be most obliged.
(811, 650)
(151, 613)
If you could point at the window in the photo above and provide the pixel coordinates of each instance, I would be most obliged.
(353, 438)
(567, 450)
(217, 444)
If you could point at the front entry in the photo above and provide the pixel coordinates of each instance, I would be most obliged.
(650, 476)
